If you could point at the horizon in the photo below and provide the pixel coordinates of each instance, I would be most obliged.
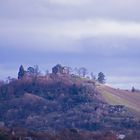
(77, 33)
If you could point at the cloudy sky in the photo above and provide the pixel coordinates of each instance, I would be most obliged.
(101, 35)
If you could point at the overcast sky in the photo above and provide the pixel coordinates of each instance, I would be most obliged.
(101, 35)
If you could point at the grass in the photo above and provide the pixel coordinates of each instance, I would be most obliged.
(119, 97)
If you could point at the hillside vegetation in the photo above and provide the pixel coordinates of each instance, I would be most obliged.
(59, 101)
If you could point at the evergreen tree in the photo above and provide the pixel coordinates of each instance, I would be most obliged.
(101, 78)
(133, 89)
(21, 72)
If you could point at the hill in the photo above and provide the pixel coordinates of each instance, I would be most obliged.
(51, 102)
(61, 101)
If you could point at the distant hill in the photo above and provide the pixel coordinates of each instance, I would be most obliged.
(59, 100)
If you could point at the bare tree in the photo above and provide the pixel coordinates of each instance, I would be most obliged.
(37, 72)
(33, 71)
(68, 70)
(82, 71)
(46, 72)
(93, 77)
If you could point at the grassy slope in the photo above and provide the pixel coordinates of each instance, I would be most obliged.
(120, 97)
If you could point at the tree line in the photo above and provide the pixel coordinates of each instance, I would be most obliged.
(59, 69)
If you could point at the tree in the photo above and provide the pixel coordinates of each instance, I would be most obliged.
(67, 70)
(133, 89)
(75, 71)
(46, 72)
(93, 77)
(36, 70)
(101, 78)
(82, 71)
(57, 69)
(21, 72)
(8, 80)
(33, 71)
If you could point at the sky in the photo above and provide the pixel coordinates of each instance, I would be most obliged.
(97, 34)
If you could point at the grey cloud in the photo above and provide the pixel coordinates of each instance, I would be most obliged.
(125, 10)
(45, 33)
